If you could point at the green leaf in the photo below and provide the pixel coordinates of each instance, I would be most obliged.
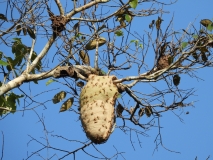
(3, 104)
(18, 60)
(19, 49)
(2, 100)
(141, 46)
(128, 18)
(11, 102)
(195, 36)
(12, 63)
(3, 63)
(119, 33)
(66, 105)
(59, 96)
(135, 41)
(17, 40)
(49, 82)
(183, 45)
(104, 73)
(133, 3)
(210, 27)
(17, 97)
(9, 68)
(119, 96)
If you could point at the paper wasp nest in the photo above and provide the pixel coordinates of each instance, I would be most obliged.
(97, 100)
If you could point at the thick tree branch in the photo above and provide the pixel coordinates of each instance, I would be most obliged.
(79, 71)
(60, 7)
(86, 6)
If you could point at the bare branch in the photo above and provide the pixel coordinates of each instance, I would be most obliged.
(88, 5)
(42, 53)
(60, 7)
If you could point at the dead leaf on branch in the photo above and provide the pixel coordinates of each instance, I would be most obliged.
(148, 111)
(124, 15)
(131, 110)
(80, 84)
(84, 57)
(176, 80)
(203, 56)
(31, 33)
(24, 30)
(92, 44)
(59, 96)
(152, 24)
(18, 29)
(66, 105)
(158, 23)
(2, 16)
(194, 55)
(205, 22)
(119, 110)
(141, 112)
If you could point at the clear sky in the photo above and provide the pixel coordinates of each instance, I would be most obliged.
(193, 136)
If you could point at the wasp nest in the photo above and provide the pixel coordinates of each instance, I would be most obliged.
(97, 100)
(164, 62)
(58, 23)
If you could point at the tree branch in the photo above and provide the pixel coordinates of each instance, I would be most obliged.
(42, 53)
(82, 8)
(81, 72)
(60, 7)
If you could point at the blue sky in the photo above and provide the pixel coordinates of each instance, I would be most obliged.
(192, 137)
